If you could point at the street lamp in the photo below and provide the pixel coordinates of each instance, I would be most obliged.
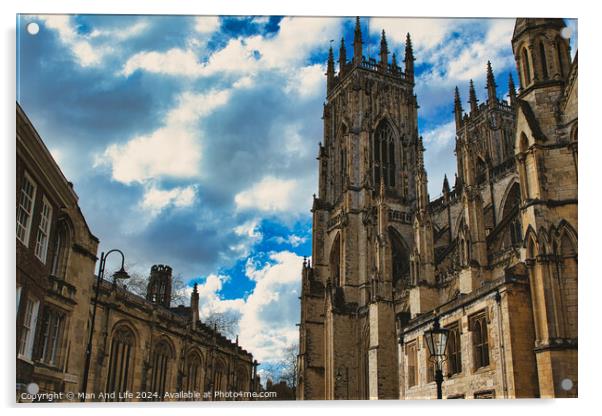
(119, 274)
(436, 340)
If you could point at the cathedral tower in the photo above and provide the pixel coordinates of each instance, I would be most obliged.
(363, 227)
(159, 285)
(546, 155)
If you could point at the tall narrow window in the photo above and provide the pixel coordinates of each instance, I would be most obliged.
(560, 58)
(412, 364)
(454, 350)
(25, 209)
(544, 61)
(28, 328)
(41, 249)
(335, 262)
(120, 363)
(511, 210)
(567, 255)
(383, 155)
(19, 290)
(480, 340)
(160, 362)
(219, 377)
(194, 373)
(241, 379)
(526, 68)
(52, 328)
(60, 249)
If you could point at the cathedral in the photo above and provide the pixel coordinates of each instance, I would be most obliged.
(494, 259)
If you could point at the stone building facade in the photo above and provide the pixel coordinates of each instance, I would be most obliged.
(142, 345)
(494, 258)
(56, 254)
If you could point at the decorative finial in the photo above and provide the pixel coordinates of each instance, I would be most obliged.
(409, 58)
(357, 42)
(511, 89)
(458, 110)
(491, 87)
(472, 98)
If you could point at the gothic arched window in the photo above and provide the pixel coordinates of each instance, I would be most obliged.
(544, 61)
(569, 282)
(241, 379)
(121, 361)
(335, 261)
(383, 155)
(561, 59)
(219, 377)
(194, 373)
(480, 340)
(510, 210)
(454, 350)
(526, 68)
(161, 358)
(61, 250)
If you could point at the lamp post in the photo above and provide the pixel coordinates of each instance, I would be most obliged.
(120, 274)
(436, 340)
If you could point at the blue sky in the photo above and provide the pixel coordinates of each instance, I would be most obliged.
(191, 141)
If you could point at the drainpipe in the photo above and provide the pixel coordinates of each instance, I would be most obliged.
(498, 300)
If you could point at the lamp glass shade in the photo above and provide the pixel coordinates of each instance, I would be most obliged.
(436, 341)
(121, 274)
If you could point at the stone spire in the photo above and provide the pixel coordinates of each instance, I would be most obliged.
(458, 111)
(409, 59)
(421, 178)
(384, 52)
(445, 185)
(511, 90)
(394, 64)
(472, 99)
(330, 70)
(491, 87)
(342, 57)
(357, 42)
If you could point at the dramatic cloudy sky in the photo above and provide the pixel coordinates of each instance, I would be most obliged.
(191, 141)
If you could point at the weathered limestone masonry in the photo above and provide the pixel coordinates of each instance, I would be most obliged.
(56, 253)
(494, 258)
(144, 345)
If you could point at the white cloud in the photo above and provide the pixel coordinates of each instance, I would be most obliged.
(270, 195)
(470, 63)
(206, 24)
(121, 33)
(169, 151)
(86, 54)
(173, 62)
(440, 136)
(297, 37)
(269, 314)
(425, 32)
(173, 150)
(308, 81)
(155, 199)
(89, 49)
(249, 234)
(293, 240)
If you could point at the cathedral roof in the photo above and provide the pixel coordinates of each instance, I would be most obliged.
(523, 24)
